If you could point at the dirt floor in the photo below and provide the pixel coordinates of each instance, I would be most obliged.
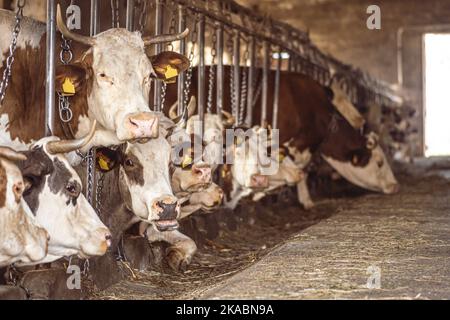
(400, 242)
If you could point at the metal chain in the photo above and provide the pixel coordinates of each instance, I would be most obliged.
(188, 79)
(115, 17)
(12, 49)
(142, 21)
(66, 56)
(163, 94)
(90, 174)
(233, 97)
(172, 25)
(98, 193)
(243, 87)
(212, 72)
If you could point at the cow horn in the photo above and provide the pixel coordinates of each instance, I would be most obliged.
(172, 111)
(12, 155)
(65, 146)
(229, 119)
(71, 35)
(164, 38)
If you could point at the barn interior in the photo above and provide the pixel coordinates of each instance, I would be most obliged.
(391, 59)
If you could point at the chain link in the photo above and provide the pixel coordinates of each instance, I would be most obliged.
(115, 17)
(234, 98)
(98, 193)
(212, 72)
(12, 48)
(90, 174)
(142, 21)
(244, 87)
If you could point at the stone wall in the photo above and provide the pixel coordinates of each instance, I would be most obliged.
(339, 27)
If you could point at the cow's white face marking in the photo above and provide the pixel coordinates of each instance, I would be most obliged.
(376, 175)
(148, 182)
(72, 223)
(121, 80)
(21, 237)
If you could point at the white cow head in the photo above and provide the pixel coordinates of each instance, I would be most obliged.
(115, 74)
(21, 238)
(368, 168)
(53, 192)
(144, 181)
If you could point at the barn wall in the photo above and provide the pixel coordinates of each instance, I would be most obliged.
(339, 27)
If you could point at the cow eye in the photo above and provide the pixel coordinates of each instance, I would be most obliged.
(72, 189)
(102, 75)
(129, 163)
(380, 163)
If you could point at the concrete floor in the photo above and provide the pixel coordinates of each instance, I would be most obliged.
(400, 242)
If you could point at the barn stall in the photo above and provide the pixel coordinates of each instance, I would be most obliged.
(353, 243)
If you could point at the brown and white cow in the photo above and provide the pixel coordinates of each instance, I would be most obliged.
(310, 123)
(53, 193)
(21, 237)
(111, 73)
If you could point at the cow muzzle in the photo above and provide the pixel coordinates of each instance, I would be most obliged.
(259, 181)
(97, 244)
(202, 173)
(392, 188)
(142, 125)
(38, 249)
(167, 210)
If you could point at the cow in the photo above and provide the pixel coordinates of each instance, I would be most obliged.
(110, 75)
(53, 193)
(22, 239)
(310, 123)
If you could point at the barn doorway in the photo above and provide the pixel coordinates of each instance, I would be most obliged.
(437, 94)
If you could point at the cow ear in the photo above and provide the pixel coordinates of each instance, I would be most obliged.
(106, 159)
(70, 78)
(169, 64)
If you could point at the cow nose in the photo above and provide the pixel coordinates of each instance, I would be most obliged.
(167, 209)
(143, 125)
(108, 238)
(259, 181)
(393, 188)
(203, 172)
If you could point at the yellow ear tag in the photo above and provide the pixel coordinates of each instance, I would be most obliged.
(68, 88)
(280, 157)
(186, 161)
(103, 164)
(170, 72)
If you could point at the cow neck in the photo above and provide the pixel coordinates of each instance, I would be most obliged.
(340, 138)
(24, 103)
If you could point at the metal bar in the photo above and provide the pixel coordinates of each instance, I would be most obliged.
(220, 69)
(130, 15)
(50, 69)
(201, 70)
(158, 48)
(237, 72)
(265, 83)
(94, 18)
(181, 76)
(276, 95)
(251, 80)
